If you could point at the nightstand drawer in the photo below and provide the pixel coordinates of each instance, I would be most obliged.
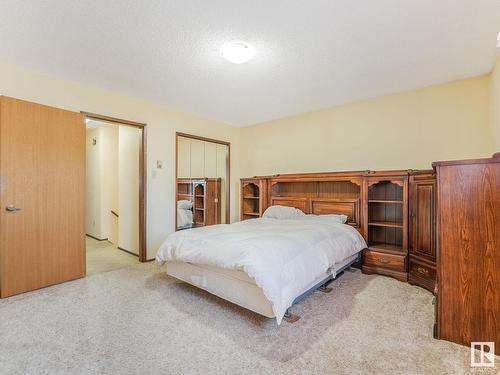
(384, 260)
(422, 274)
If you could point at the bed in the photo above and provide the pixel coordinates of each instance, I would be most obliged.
(264, 264)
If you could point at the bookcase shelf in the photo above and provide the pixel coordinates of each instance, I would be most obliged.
(205, 195)
(252, 196)
(385, 213)
(384, 201)
(386, 223)
(385, 247)
(199, 203)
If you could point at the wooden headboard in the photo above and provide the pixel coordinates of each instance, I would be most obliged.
(320, 194)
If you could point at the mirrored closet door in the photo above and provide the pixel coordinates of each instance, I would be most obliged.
(202, 188)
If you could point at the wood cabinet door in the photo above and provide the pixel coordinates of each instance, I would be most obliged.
(211, 203)
(469, 252)
(42, 196)
(422, 218)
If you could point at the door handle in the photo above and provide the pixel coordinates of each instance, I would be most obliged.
(12, 208)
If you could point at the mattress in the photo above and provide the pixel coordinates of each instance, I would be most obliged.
(283, 256)
(235, 285)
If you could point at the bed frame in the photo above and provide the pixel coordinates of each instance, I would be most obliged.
(237, 287)
(322, 286)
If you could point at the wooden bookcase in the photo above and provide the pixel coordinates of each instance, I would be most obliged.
(199, 189)
(205, 195)
(253, 195)
(386, 219)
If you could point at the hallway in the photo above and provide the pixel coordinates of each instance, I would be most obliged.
(103, 256)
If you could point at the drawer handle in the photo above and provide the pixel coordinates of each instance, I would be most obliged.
(422, 270)
(383, 261)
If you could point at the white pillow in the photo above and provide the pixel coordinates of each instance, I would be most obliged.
(283, 213)
(184, 205)
(342, 219)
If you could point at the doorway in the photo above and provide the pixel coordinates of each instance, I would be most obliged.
(115, 193)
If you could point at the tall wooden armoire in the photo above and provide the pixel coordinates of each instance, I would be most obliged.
(468, 222)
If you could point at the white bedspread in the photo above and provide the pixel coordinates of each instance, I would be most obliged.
(283, 256)
(184, 217)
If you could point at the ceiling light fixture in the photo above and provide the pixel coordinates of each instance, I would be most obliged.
(237, 52)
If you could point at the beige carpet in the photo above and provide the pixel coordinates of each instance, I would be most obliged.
(103, 256)
(136, 321)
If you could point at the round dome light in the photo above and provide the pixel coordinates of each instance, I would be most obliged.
(237, 52)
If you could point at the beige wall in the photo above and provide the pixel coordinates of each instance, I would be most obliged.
(128, 188)
(93, 225)
(495, 104)
(102, 182)
(407, 130)
(108, 146)
(162, 123)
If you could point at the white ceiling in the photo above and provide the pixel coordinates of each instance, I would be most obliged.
(310, 54)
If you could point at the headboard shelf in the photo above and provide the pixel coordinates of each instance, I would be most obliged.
(376, 203)
(326, 193)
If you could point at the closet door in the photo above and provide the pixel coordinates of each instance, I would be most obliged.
(42, 196)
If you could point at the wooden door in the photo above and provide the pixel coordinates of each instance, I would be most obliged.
(210, 206)
(422, 218)
(212, 202)
(422, 241)
(42, 173)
